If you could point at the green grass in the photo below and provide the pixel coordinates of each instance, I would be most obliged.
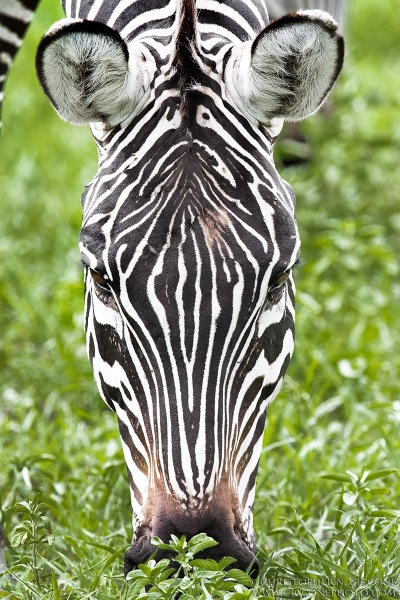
(327, 507)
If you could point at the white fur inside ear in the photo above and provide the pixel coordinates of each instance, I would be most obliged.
(88, 75)
(289, 69)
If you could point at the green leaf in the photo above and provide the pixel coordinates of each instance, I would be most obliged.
(156, 541)
(225, 562)
(384, 512)
(165, 575)
(78, 548)
(107, 563)
(18, 538)
(241, 577)
(331, 566)
(343, 477)
(73, 584)
(380, 474)
(280, 530)
(197, 543)
(205, 564)
(136, 574)
(19, 507)
(135, 587)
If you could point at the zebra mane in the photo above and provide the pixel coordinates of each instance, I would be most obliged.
(186, 41)
(187, 21)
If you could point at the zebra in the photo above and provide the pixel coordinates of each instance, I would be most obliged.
(188, 238)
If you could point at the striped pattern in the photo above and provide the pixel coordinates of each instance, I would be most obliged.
(189, 222)
(15, 16)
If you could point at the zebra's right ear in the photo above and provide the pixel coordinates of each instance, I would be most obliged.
(288, 70)
(88, 73)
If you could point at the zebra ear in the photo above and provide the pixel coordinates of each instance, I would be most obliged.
(288, 70)
(88, 73)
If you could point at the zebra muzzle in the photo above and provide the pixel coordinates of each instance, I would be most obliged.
(217, 523)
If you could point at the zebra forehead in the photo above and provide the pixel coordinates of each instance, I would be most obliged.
(208, 170)
(240, 17)
(195, 193)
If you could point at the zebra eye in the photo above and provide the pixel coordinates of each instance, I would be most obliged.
(281, 278)
(277, 285)
(100, 281)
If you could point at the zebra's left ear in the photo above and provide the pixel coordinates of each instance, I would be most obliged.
(88, 73)
(288, 70)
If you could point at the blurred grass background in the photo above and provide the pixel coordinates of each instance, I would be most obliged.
(339, 410)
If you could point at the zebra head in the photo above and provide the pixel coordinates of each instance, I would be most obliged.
(189, 238)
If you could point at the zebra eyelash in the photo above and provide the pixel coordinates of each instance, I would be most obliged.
(100, 281)
(84, 266)
(299, 262)
(278, 286)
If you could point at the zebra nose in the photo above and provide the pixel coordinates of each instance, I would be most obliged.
(229, 544)
(138, 553)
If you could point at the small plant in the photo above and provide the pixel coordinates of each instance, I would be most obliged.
(195, 578)
(357, 489)
(34, 531)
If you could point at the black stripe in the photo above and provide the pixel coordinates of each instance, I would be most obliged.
(14, 25)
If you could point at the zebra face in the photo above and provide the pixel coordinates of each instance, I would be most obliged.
(188, 243)
(189, 314)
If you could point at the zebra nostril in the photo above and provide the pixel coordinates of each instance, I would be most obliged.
(138, 553)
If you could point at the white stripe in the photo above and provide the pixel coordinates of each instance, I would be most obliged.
(16, 10)
(270, 372)
(9, 37)
(148, 16)
(119, 9)
(68, 9)
(97, 4)
(220, 8)
(6, 58)
(201, 446)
